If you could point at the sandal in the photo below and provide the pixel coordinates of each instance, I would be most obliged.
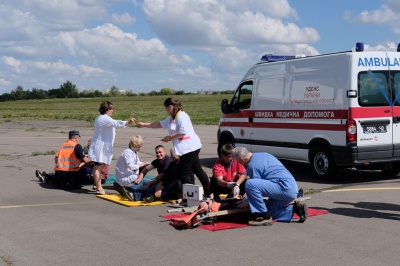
(101, 192)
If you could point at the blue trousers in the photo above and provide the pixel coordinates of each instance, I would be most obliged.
(169, 190)
(278, 196)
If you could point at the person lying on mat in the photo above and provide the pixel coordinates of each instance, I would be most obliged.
(228, 177)
(128, 168)
(69, 161)
(269, 178)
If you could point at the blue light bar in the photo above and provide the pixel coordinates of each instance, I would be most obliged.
(359, 47)
(398, 47)
(274, 58)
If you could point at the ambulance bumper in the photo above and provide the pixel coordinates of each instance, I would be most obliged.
(353, 155)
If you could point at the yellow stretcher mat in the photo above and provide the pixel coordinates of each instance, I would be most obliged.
(126, 202)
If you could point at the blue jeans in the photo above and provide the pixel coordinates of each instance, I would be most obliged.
(136, 188)
(169, 190)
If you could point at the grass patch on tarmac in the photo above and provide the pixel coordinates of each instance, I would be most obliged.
(202, 109)
(6, 260)
(36, 153)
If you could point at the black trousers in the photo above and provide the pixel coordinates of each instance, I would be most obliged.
(217, 189)
(188, 163)
(69, 179)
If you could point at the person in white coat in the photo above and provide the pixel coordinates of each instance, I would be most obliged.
(101, 148)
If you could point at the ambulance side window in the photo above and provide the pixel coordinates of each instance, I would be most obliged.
(242, 97)
(396, 84)
(373, 89)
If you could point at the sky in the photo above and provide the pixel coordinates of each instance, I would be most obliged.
(190, 45)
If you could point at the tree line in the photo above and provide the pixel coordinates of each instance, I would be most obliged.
(69, 90)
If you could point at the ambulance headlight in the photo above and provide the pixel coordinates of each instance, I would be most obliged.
(359, 47)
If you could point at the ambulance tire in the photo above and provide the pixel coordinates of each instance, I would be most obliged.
(322, 164)
(394, 170)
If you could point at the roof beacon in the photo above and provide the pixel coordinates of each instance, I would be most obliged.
(359, 47)
(274, 58)
(398, 47)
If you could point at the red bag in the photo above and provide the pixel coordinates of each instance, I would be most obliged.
(189, 221)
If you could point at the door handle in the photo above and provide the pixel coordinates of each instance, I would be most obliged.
(396, 119)
(251, 119)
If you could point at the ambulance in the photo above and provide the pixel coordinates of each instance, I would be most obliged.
(339, 110)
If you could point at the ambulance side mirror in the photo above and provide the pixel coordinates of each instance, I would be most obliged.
(224, 106)
(351, 94)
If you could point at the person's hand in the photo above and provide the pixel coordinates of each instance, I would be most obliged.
(167, 138)
(176, 159)
(140, 125)
(230, 184)
(159, 187)
(244, 203)
(137, 181)
(235, 190)
(158, 194)
(131, 121)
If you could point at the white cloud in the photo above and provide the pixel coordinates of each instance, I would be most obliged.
(4, 82)
(380, 16)
(122, 19)
(199, 71)
(206, 22)
(388, 46)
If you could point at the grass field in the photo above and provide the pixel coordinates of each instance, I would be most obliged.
(202, 109)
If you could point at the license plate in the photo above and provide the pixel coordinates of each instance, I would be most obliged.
(374, 129)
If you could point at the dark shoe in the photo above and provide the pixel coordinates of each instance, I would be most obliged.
(300, 193)
(301, 210)
(260, 221)
(124, 192)
(119, 188)
(40, 176)
(130, 195)
(148, 199)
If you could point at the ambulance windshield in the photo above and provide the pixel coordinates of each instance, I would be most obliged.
(378, 88)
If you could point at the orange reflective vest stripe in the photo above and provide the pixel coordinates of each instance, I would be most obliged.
(66, 159)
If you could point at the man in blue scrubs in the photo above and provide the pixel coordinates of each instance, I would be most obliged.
(269, 178)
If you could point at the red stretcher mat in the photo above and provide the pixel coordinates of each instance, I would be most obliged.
(232, 222)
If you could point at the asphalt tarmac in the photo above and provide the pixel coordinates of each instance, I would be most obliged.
(41, 225)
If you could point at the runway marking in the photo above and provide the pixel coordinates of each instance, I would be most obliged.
(361, 189)
(47, 204)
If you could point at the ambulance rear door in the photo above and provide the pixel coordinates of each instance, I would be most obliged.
(378, 114)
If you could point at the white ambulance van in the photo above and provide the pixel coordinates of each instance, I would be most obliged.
(338, 110)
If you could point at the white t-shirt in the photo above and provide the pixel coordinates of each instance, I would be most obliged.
(182, 124)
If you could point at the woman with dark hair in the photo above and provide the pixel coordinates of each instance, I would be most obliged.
(186, 143)
(101, 148)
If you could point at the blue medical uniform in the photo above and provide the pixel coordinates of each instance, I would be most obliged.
(269, 178)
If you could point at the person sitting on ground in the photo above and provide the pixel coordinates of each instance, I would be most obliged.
(128, 168)
(269, 178)
(228, 177)
(164, 185)
(69, 160)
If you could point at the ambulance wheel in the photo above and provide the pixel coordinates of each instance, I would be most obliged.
(322, 163)
(391, 169)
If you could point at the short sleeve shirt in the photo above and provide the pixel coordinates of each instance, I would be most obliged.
(229, 173)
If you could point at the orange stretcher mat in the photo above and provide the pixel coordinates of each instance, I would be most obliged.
(126, 202)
